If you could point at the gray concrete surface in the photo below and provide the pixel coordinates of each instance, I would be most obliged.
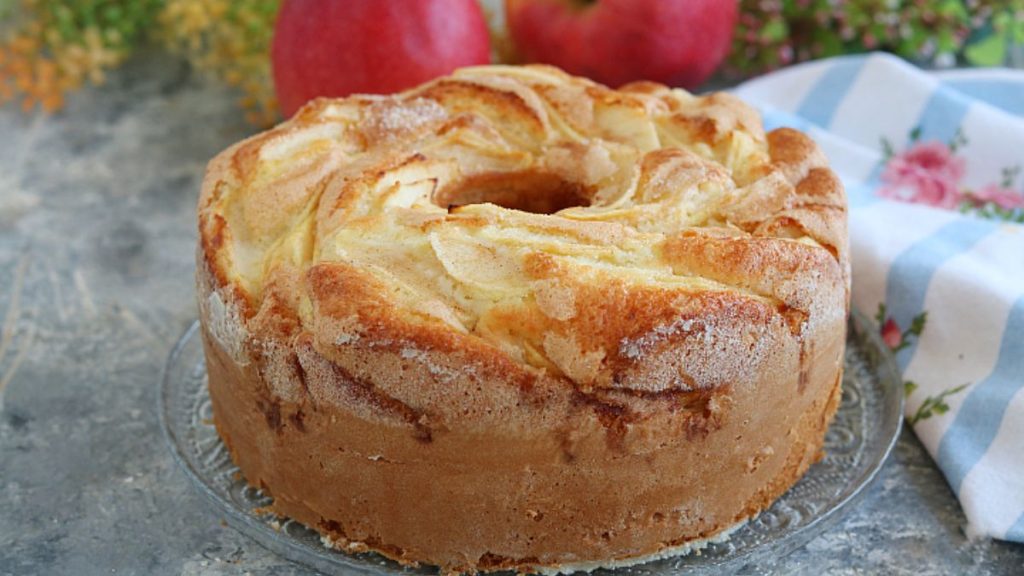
(96, 244)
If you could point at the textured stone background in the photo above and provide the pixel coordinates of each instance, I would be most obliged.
(96, 244)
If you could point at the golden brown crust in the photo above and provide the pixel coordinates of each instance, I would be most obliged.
(635, 345)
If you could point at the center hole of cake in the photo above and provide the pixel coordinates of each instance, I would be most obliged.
(536, 192)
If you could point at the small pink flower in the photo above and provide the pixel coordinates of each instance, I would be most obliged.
(891, 334)
(926, 173)
(1000, 196)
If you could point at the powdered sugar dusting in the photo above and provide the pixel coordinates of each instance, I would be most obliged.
(634, 348)
(278, 370)
(224, 324)
(443, 374)
(704, 353)
(345, 339)
(348, 331)
(392, 119)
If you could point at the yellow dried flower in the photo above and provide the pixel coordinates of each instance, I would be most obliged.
(55, 46)
(230, 41)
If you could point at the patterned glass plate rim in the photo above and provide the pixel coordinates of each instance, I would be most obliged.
(857, 443)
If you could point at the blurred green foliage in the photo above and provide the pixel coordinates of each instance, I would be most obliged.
(775, 33)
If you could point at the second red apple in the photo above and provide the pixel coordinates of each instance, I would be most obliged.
(675, 42)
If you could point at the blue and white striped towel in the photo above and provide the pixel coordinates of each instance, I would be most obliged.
(905, 141)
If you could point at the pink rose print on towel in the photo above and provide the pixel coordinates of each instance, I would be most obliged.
(1002, 196)
(926, 173)
(931, 173)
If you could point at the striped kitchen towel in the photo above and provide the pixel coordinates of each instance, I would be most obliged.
(932, 163)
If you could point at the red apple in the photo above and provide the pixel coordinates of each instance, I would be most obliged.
(341, 47)
(675, 42)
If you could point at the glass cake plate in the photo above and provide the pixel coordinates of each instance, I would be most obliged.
(857, 443)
